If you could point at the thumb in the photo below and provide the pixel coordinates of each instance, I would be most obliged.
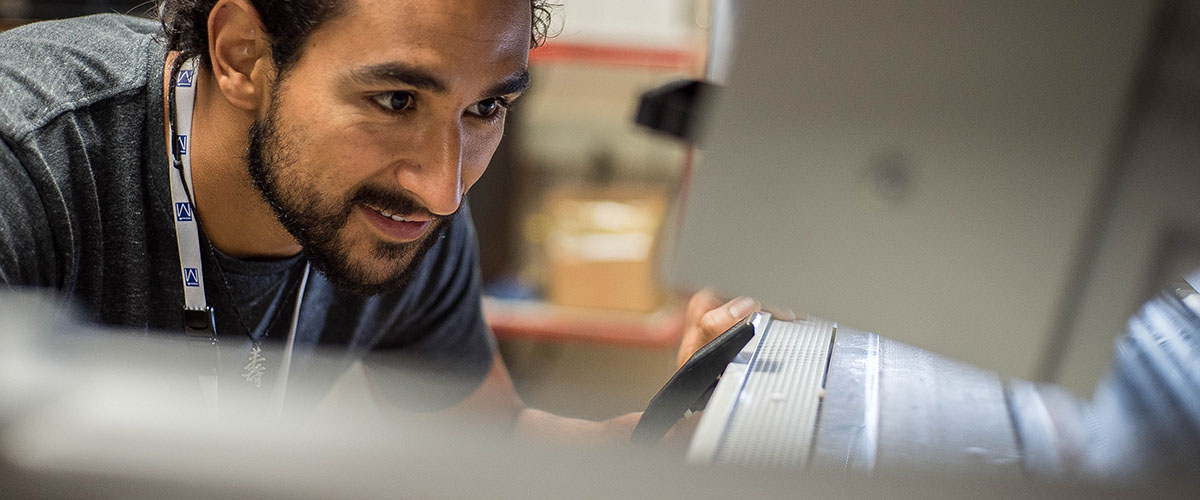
(716, 321)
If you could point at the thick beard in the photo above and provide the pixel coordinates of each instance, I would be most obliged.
(315, 223)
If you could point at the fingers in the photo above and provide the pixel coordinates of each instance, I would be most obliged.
(700, 321)
(701, 303)
(707, 300)
(722, 318)
(707, 317)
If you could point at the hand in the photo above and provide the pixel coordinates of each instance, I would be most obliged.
(707, 317)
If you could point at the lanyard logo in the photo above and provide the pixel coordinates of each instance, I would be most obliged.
(181, 144)
(183, 211)
(185, 78)
(191, 277)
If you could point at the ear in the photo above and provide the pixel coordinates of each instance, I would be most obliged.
(240, 54)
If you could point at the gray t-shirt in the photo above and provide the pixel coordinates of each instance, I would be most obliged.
(85, 210)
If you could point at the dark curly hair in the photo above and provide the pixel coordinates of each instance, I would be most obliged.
(287, 22)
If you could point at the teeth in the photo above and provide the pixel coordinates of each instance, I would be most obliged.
(387, 214)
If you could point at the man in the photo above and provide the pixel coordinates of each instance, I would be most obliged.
(337, 134)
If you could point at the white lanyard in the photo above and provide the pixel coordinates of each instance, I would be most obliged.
(198, 317)
(199, 320)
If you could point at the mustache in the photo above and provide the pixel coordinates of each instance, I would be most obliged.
(395, 201)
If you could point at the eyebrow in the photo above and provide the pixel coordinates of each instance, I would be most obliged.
(511, 85)
(397, 72)
(401, 73)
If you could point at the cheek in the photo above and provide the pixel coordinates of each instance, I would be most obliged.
(478, 154)
(346, 151)
(340, 144)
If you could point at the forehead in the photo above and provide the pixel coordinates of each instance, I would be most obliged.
(448, 36)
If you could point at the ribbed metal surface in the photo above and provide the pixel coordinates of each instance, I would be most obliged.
(1157, 377)
(773, 421)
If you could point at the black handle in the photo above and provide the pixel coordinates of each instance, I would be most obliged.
(691, 383)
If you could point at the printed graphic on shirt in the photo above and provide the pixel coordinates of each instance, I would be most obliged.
(256, 366)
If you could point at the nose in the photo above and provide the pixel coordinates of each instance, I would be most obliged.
(435, 177)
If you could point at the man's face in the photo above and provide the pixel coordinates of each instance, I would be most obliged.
(391, 113)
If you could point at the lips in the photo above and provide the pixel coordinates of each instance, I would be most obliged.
(394, 226)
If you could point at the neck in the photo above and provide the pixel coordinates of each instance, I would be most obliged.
(231, 212)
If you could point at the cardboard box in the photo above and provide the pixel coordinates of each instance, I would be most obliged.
(601, 247)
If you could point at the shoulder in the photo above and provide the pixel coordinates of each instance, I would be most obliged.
(53, 67)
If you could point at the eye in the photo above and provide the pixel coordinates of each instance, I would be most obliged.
(488, 108)
(394, 101)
